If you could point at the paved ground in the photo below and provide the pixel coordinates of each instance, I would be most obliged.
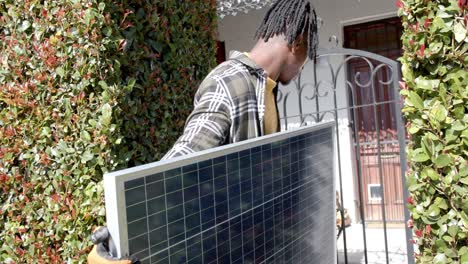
(375, 245)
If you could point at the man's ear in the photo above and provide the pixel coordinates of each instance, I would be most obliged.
(297, 44)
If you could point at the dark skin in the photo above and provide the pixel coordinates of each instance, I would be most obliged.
(282, 62)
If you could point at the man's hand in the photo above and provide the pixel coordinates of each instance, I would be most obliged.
(104, 251)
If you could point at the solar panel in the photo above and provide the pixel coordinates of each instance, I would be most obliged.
(266, 200)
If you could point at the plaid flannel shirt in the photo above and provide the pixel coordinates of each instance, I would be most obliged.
(228, 107)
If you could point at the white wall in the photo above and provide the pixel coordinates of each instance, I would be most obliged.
(238, 33)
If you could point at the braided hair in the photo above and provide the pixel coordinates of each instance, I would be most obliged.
(292, 18)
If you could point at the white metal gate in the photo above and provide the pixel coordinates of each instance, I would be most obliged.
(360, 92)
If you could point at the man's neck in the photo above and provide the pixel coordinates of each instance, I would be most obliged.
(268, 55)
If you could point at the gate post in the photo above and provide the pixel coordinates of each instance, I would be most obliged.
(403, 163)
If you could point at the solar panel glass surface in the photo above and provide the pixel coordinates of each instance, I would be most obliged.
(267, 200)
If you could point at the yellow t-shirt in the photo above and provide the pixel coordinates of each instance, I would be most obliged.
(271, 117)
(271, 120)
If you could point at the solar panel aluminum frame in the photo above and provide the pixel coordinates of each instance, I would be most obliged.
(114, 189)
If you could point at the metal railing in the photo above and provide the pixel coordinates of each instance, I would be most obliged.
(366, 107)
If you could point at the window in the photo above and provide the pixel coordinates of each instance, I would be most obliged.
(374, 192)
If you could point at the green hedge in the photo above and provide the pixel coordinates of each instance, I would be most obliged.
(435, 88)
(87, 87)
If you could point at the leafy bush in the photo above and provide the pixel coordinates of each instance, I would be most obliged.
(87, 87)
(435, 72)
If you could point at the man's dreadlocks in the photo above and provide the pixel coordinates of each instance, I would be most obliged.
(292, 18)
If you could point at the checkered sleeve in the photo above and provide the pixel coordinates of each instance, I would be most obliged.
(209, 123)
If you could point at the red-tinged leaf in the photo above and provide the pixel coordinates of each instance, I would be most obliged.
(410, 200)
(399, 4)
(20, 251)
(428, 229)
(422, 50)
(18, 177)
(403, 85)
(3, 178)
(427, 22)
(55, 197)
(418, 233)
(415, 27)
(44, 159)
(410, 223)
(10, 131)
(462, 4)
(122, 44)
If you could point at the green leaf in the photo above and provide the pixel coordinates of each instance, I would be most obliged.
(433, 211)
(410, 181)
(442, 13)
(437, 24)
(68, 108)
(25, 25)
(431, 173)
(458, 126)
(414, 187)
(463, 250)
(440, 244)
(85, 135)
(130, 85)
(439, 113)
(464, 258)
(407, 72)
(451, 135)
(86, 156)
(450, 252)
(89, 15)
(415, 100)
(464, 218)
(70, 150)
(92, 122)
(101, 6)
(426, 84)
(104, 85)
(463, 170)
(428, 145)
(447, 238)
(460, 32)
(60, 71)
(420, 156)
(440, 259)
(464, 180)
(464, 134)
(441, 203)
(435, 47)
(453, 230)
(413, 129)
(443, 160)
(106, 114)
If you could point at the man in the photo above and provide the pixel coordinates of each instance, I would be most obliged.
(237, 100)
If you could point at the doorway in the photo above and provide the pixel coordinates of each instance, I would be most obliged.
(373, 119)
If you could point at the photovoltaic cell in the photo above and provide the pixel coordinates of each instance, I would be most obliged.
(268, 200)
